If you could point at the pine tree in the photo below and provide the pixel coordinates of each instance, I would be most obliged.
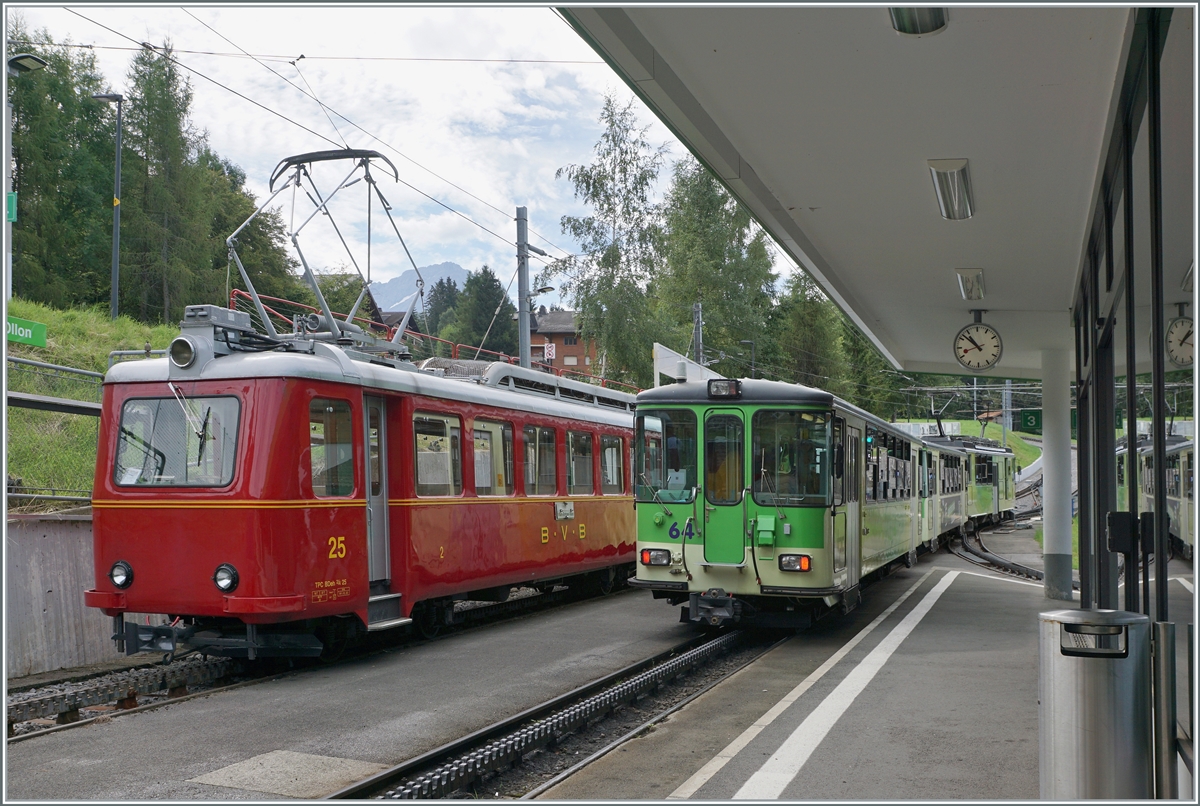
(443, 297)
(63, 152)
(475, 316)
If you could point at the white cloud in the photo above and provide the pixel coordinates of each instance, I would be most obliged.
(498, 130)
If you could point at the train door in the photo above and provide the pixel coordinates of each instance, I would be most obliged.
(724, 487)
(378, 559)
(853, 506)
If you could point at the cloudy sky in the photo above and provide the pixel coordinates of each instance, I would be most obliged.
(493, 100)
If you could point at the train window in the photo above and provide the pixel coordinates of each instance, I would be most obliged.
(331, 447)
(493, 458)
(439, 459)
(789, 458)
(579, 464)
(541, 476)
(665, 462)
(1190, 475)
(724, 467)
(177, 443)
(1173, 476)
(839, 479)
(1120, 471)
(612, 465)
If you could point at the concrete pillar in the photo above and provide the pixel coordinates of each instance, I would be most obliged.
(1056, 472)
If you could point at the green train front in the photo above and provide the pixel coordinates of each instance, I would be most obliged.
(749, 500)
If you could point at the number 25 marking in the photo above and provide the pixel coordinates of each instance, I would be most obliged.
(337, 548)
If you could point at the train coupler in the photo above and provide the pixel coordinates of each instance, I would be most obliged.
(714, 607)
(132, 638)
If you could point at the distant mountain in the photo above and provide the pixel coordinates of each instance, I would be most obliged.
(389, 295)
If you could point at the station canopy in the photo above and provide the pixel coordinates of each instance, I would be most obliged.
(823, 121)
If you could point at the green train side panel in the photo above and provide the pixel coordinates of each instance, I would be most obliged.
(888, 530)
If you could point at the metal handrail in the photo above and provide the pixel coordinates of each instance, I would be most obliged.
(57, 367)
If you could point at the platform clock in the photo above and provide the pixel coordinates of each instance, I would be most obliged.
(1180, 341)
(978, 346)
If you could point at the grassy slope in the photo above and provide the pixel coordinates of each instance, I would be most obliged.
(83, 337)
(1025, 452)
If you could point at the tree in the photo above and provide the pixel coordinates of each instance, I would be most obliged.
(166, 213)
(609, 281)
(63, 174)
(475, 316)
(811, 333)
(443, 297)
(716, 257)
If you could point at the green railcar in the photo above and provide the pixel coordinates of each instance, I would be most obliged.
(1180, 477)
(769, 502)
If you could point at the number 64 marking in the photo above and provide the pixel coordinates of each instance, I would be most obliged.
(337, 548)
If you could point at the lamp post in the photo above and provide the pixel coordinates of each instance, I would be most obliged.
(751, 343)
(21, 63)
(116, 239)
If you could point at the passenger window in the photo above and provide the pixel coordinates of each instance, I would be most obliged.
(579, 464)
(540, 462)
(493, 458)
(437, 442)
(723, 465)
(331, 447)
(612, 465)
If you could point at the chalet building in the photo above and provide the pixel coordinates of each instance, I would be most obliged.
(559, 328)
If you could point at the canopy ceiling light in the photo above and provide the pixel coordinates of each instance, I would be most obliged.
(970, 283)
(952, 185)
(918, 21)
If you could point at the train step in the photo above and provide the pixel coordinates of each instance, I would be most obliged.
(383, 612)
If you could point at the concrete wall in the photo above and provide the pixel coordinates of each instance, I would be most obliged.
(49, 566)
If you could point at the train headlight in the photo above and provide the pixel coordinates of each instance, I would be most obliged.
(121, 574)
(795, 562)
(656, 557)
(225, 578)
(182, 352)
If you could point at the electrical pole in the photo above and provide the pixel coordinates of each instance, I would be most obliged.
(697, 334)
(523, 286)
(1006, 417)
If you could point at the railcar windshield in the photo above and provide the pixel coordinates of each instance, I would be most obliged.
(790, 460)
(177, 442)
(665, 465)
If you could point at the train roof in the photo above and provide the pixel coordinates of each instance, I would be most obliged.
(502, 385)
(969, 444)
(754, 391)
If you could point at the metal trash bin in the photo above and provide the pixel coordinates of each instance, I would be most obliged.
(1094, 717)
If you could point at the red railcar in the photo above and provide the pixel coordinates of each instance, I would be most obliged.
(274, 500)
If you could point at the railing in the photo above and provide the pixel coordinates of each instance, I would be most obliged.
(456, 351)
(53, 425)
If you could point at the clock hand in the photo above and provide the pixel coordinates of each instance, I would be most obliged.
(1187, 336)
(977, 347)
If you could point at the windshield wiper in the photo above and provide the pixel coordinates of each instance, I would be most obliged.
(203, 436)
(654, 493)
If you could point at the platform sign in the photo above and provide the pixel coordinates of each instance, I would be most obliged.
(10, 207)
(1031, 421)
(22, 331)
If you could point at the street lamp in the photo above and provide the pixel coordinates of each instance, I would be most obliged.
(116, 239)
(751, 343)
(21, 63)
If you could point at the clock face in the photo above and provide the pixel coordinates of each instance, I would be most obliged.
(1181, 338)
(977, 346)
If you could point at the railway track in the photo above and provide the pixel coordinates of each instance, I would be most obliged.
(530, 752)
(58, 706)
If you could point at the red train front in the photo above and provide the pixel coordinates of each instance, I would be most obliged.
(277, 498)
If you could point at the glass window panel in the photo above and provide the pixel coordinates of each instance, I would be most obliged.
(166, 442)
(612, 465)
(331, 447)
(724, 468)
(579, 464)
(666, 463)
(493, 458)
(789, 458)
(437, 442)
(540, 461)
